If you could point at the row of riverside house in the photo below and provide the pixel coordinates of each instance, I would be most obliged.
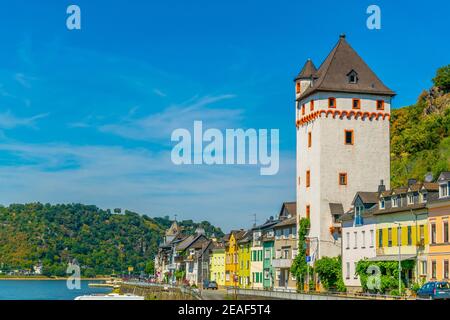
(258, 258)
(409, 223)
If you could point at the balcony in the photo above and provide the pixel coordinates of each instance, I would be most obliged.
(281, 263)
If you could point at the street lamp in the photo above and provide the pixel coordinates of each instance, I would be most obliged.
(399, 242)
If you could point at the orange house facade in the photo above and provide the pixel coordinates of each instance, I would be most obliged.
(438, 223)
(231, 258)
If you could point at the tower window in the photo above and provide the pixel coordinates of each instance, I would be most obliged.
(308, 178)
(303, 110)
(356, 104)
(342, 179)
(297, 87)
(352, 77)
(309, 140)
(331, 102)
(349, 137)
(311, 105)
(308, 211)
(380, 104)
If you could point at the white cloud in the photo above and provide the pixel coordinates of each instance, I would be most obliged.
(159, 126)
(10, 121)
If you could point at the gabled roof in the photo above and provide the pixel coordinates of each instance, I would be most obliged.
(333, 74)
(286, 222)
(336, 208)
(444, 176)
(308, 71)
(173, 230)
(366, 197)
(290, 207)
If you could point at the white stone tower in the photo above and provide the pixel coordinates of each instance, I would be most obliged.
(342, 118)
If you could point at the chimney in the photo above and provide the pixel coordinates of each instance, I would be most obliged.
(381, 187)
(411, 182)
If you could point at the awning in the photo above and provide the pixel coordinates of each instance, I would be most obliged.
(393, 257)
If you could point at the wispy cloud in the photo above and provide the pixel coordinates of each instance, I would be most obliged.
(10, 121)
(159, 93)
(24, 80)
(160, 125)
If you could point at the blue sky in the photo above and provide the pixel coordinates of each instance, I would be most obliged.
(86, 116)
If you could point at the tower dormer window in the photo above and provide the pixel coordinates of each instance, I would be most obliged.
(352, 77)
(380, 104)
(356, 104)
(297, 87)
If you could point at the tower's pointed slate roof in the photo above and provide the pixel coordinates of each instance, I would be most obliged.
(308, 71)
(333, 74)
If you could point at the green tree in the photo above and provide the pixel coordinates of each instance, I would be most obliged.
(150, 267)
(299, 266)
(442, 79)
(330, 273)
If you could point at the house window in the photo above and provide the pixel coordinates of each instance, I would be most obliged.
(355, 235)
(311, 105)
(348, 271)
(389, 237)
(297, 88)
(267, 254)
(409, 235)
(445, 228)
(349, 137)
(308, 178)
(382, 204)
(348, 240)
(423, 265)
(303, 110)
(433, 233)
(380, 238)
(308, 211)
(363, 236)
(331, 102)
(395, 202)
(309, 140)
(433, 269)
(424, 197)
(372, 238)
(446, 269)
(410, 198)
(355, 275)
(380, 104)
(342, 179)
(356, 104)
(422, 234)
(443, 190)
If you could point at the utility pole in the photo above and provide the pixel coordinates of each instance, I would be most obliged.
(399, 243)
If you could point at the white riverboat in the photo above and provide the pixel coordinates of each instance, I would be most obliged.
(111, 296)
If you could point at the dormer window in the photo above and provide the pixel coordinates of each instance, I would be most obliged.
(382, 204)
(395, 202)
(424, 197)
(443, 190)
(352, 77)
(410, 199)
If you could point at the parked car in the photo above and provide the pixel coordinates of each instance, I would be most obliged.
(212, 285)
(434, 290)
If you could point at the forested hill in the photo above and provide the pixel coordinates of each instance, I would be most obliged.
(102, 242)
(420, 133)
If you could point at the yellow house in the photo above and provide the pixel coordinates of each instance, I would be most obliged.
(231, 258)
(438, 222)
(217, 264)
(402, 227)
(244, 254)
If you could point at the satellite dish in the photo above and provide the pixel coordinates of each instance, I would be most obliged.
(429, 177)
